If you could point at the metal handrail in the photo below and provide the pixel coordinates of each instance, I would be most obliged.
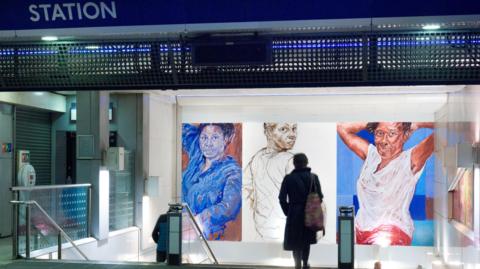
(200, 232)
(32, 202)
(50, 187)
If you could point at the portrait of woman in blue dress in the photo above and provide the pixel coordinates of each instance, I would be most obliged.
(211, 178)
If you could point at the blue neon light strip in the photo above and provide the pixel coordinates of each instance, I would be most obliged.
(319, 46)
(125, 50)
(85, 51)
(104, 51)
(174, 49)
(37, 52)
(427, 42)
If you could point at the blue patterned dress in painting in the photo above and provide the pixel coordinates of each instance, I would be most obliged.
(213, 195)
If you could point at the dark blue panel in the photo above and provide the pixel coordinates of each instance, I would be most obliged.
(404, 8)
(15, 14)
(280, 10)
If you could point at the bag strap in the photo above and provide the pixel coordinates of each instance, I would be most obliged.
(312, 185)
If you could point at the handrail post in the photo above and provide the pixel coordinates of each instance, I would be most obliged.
(89, 216)
(27, 231)
(15, 221)
(59, 242)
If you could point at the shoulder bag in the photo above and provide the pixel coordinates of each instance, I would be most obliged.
(313, 209)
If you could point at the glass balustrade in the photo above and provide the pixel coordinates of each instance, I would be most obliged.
(67, 205)
(122, 194)
(195, 249)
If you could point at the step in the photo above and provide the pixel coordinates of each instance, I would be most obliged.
(39, 264)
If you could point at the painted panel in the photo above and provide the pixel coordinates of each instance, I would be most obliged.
(212, 177)
(268, 149)
(386, 170)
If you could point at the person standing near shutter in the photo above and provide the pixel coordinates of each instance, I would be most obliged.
(293, 196)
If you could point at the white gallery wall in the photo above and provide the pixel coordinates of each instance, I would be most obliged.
(160, 161)
(316, 110)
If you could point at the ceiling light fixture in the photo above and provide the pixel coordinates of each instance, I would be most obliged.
(430, 27)
(92, 47)
(49, 38)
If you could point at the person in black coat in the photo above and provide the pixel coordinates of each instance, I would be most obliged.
(159, 236)
(293, 196)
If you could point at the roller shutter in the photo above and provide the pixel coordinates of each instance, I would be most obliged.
(33, 132)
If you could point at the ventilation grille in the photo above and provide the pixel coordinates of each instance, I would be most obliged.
(421, 58)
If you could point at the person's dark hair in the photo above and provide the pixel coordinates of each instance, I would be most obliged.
(300, 160)
(228, 129)
(372, 126)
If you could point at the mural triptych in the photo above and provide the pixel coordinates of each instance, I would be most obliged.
(232, 172)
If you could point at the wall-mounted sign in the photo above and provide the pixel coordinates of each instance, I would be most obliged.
(73, 112)
(45, 14)
(72, 11)
(23, 157)
(7, 147)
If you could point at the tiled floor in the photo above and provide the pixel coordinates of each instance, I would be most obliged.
(148, 256)
(5, 250)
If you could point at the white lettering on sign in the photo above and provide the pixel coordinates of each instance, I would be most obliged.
(72, 11)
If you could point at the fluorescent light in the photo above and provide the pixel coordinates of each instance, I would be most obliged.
(431, 27)
(103, 203)
(73, 114)
(49, 38)
(92, 47)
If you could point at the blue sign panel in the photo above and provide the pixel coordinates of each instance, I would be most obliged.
(41, 14)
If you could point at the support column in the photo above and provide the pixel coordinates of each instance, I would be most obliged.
(92, 120)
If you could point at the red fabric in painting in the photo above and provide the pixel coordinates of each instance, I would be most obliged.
(385, 234)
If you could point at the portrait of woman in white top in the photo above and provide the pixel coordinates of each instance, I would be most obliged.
(387, 180)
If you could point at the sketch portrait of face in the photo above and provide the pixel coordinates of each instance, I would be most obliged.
(212, 142)
(281, 136)
(390, 138)
(263, 177)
